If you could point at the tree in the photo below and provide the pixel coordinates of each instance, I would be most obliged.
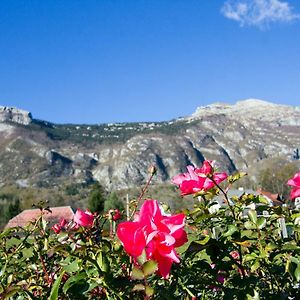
(96, 199)
(13, 209)
(113, 202)
(275, 176)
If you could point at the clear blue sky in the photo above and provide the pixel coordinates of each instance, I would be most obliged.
(98, 61)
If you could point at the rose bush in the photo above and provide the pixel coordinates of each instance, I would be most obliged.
(247, 249)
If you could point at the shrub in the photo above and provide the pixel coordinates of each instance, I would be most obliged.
(236, 247)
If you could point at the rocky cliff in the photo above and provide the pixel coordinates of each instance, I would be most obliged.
(14, 115)
(239, 136)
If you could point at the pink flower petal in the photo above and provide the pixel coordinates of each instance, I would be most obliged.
(164, 266)
(175, 222)
(295, 181)
(155, 233)
(295, 193)
(84, 219)
(132, 237)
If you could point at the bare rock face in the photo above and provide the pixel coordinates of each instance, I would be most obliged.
(253, 110)
(15, 115)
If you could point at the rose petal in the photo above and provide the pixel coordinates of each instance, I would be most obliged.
(132, 237)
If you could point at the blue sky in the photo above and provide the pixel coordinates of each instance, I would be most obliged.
(98, 61)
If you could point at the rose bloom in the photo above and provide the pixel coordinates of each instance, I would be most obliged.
(155, 233)
(198, 179)
(295, 182)
(57, 228)
(116, 215)
(84, 219)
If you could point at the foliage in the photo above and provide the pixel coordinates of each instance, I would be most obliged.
(242, 248)
(107, 133)
(274, 176)
(113, 202)
(96, 199)
(9, 207)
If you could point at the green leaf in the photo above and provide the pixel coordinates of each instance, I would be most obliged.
(231, 230)
(295, 216)
(149, 267)
(12, 242)
(290, 246)
(249, 225)
(142, 258)
(252, 215)
(149, 291)
(249, 257)
(263, 253)
(27, 252)
(235, 177)
(73, 267)
(73, 280)
(139, 287)
(271, 246)
(55, 287)
(297, 273)
(263, 200)
(103, 262)
(249, 233)
(137, 274)
(204, 241)
(62, 237)
(46, 244)
(11, 292)
(261, 222)
(255, 266)
(44, 224)
(255, 296)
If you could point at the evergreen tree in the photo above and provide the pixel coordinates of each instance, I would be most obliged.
(13, 209)
(113, 202)
(96, 199)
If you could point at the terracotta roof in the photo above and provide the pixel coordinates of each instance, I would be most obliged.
(29, 215)
(275, 198)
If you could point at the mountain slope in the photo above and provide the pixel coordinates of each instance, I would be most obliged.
(240, 136)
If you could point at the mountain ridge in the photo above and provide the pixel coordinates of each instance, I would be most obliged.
(118, 155)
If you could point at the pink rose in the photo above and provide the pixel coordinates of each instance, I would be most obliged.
(57, 228)
(155, 233)
(295, 182)
(84, 219)
(116, 215)
(198, 179)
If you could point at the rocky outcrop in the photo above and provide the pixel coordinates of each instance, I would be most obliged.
(15, 115)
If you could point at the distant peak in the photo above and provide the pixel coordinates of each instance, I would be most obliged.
(255, 102)
(249, 108)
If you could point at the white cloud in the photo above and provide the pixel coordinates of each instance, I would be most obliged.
(260, 13)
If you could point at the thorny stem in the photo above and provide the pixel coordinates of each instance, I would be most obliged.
(143, 193)
(225, 196)
(45, 269)
(234, 217)
(145, 188)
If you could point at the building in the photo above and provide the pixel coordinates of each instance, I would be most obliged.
(53, 215)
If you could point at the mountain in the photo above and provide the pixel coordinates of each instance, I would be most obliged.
(239, 137)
